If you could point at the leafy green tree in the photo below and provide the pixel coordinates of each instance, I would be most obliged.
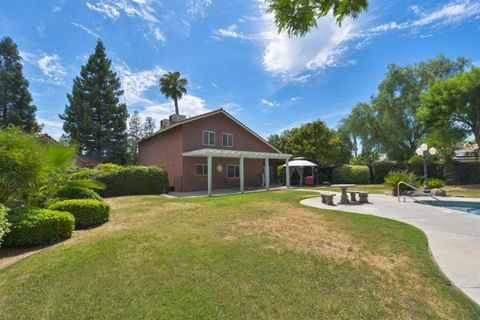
(172, 85)
(453, 105)
(298, 17)
(389, 124)
(315, 141)
(279, 140)
(94, 118)
(16, 106)
(148, 126)
(135, 133)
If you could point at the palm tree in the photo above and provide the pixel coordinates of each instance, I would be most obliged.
(173, 86)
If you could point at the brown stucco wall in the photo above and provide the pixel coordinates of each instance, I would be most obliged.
(220, 123)
(165, 150)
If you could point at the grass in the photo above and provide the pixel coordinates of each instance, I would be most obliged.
(466, 191)
(252, 256)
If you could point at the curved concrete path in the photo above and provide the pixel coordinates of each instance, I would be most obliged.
(453, 236)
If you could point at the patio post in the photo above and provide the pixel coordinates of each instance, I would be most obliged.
(242, 177)
(267, 175)
(287, 174)
(209, 178)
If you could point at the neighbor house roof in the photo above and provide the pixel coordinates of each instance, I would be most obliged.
(205, 115)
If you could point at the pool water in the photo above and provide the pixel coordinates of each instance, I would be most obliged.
(466, 206)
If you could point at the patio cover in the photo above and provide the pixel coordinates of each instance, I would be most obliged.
(223, 153)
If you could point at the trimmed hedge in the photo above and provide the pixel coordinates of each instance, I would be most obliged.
(33, 227)
(87, 212)
(462, 172)
(132, 180)
(67, 193)
(381, 169)
(351, 174)
(4, 225)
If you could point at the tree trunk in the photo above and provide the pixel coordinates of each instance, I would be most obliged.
(175, 101)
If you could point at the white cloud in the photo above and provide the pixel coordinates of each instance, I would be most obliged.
(112, 9)
(56, 9)
(296, 59)
(232, 108)
(157, 34)
(323, 47)
(268, 103)
(52, 69)
(198, 7)
(135, 84)
(293, 99)
(90, 32)
(53, 128)
(41, 28)
(189, 105)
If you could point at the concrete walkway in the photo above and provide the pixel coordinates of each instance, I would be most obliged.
(453, 236)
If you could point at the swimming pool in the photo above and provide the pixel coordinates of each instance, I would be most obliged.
(466, 206)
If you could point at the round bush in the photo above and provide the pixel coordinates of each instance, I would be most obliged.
(67, 193)
(434, 183)
(351, 174)
(33, 226)
(87, 212)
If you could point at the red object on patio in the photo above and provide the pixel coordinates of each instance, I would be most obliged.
(308, 180)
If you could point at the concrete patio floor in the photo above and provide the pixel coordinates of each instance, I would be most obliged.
(453, 236)
(220, 192)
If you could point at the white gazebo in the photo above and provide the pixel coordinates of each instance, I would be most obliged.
(298, 164)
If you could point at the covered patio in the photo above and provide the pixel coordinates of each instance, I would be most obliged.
(241, 156)
(303, 168)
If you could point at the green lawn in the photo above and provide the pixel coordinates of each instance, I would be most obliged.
(466, 191)
(234, 257)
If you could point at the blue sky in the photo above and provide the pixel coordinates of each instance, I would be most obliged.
(231, 54)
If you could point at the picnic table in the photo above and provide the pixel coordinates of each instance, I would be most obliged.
(344, 187)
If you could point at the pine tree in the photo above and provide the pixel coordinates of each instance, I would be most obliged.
(16, 106)
(94, 118)
(149, 126)
(135, 133)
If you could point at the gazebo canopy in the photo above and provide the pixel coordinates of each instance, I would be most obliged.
(301, 162)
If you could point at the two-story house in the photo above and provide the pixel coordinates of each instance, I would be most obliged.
(211, 151)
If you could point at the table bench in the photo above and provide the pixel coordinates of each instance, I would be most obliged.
(362, 196)
(327, 198)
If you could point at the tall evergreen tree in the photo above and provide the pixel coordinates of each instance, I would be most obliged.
(16, 106)
(149, 126)
(94, 118)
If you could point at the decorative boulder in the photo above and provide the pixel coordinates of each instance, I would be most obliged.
(438, 192)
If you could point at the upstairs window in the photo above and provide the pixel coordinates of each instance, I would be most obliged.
(227, 140)
(208, 138)
(233, 171)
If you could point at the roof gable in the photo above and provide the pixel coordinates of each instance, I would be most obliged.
(209, 114)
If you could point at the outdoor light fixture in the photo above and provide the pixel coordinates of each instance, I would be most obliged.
(422, 152)
(219, 168)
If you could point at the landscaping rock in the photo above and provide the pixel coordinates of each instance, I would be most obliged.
(438, 192)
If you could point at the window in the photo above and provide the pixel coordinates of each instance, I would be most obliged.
(227, 140)
(201, 169)
(209, 138)
(233, 171)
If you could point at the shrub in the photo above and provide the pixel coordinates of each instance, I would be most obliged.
(351, 174)
(434, 183)
(395, 176)
(108, 167)
(462, 172)
(87, 212)
(322, 177)
(382, 168)
(33, 226)
(4, 225)
(70, 192)
(132, 180)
